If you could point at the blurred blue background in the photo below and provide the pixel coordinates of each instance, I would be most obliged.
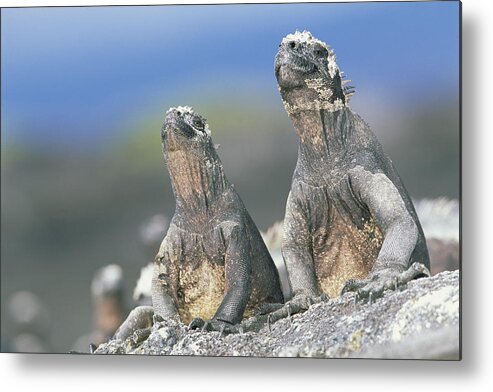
(84, 91)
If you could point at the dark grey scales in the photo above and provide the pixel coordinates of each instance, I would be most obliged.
(212, 268)
(350, 224)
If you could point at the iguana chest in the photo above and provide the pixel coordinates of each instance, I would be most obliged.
(345, 240)
(201, 278)
(343, 251)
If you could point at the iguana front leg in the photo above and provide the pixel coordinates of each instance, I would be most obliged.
(164, 285)
(237, 289)
(141, 319)
(297, 254)
(296, 250)
(385, 203)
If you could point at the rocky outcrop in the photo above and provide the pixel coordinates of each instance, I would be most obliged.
(440, 220)
(420, 321)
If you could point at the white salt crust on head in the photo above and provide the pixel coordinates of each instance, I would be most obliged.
(183, 109)
(189, 110)
(307, 38)
(318, 84)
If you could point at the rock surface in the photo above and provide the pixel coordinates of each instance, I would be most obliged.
(420, 322)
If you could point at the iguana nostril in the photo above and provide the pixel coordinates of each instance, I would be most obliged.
(292, 44)
(178, 112)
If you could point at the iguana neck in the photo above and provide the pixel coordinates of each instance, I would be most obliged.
(324, 136)
(198, 182)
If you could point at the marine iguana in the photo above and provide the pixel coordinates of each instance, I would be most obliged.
(349, 224)
(213, 267)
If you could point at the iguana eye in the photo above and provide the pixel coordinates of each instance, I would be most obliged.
(199, 124)
(320, 52)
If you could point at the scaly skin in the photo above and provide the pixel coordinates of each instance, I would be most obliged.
(350, 224)
(212, 267)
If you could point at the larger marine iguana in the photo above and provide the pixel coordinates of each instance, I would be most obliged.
(350, 224)
(212, 263)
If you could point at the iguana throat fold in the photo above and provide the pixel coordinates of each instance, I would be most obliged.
(323, 136)
(196, 172)
(198, 182)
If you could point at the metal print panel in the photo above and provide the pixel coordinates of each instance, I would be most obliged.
(261, 180)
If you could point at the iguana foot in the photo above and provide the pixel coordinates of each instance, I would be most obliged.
(266, 315)
(267, 308)
(222, 327)
(298, 304)
(386, 279)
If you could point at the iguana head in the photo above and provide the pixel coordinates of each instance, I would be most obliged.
(184, 129)
(308, 75)
(193, 164)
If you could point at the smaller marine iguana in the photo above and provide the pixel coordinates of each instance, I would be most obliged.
(350, 224)
(213, 267)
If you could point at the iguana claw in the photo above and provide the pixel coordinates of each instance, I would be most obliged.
(196, 323)
(221, 331)
(267, 308)
(351, 285)
(215, 326)
(385, 279)
(288, 309)
(297, 304)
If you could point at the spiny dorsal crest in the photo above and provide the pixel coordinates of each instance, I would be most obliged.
(307, 38)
